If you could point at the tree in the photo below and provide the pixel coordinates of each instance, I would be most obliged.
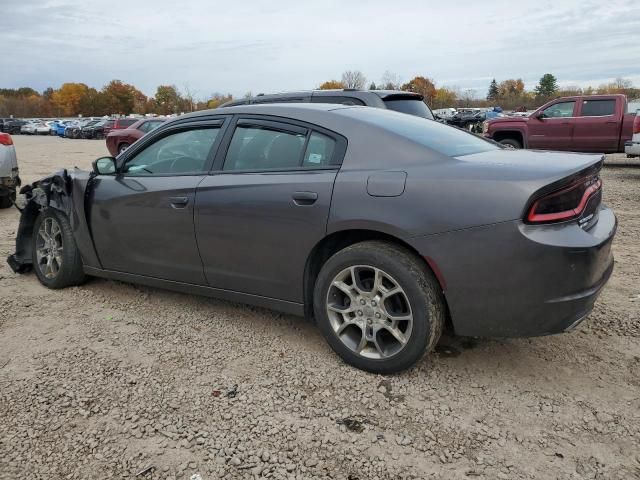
(493, 90)
(68, 97)
(390, 81)
(422, 85)
(120, 97)
(510, 88)
(167, 99)
(372, 86)
(444, 98)
(547, 86)
(218, 99)
(331, 85)
(354, 79)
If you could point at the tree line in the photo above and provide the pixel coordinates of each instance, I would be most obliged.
(117, 97)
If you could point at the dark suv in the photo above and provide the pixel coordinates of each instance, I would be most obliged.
(405, 102)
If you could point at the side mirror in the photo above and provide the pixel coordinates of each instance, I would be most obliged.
(104, 166)
(539, 115)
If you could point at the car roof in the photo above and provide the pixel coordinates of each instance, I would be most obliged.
(346, 92)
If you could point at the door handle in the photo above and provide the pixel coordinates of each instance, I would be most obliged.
(304, 198)
(179, 202)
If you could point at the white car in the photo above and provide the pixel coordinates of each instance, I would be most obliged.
(28, 128)
(632, 147)
(9, 179)
(43, 128)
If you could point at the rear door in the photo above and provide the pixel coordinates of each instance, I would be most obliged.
(554, 130)
(597, 127)
(142, 218)
(265, 207)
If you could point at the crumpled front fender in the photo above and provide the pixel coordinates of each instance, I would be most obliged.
(64, 192)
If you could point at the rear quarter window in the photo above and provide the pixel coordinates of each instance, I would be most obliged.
(444, 139)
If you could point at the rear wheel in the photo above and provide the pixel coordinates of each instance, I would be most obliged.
(511, 143)
(123, 147)
(378, 306)
(56, 259)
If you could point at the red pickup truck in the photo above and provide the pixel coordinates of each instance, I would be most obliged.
(595, 123)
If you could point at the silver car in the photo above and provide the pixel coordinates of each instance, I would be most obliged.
(9, 179)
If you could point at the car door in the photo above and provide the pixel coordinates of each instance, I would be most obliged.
(597, 128)
(259, 215)
(142, 217)
(553, 129)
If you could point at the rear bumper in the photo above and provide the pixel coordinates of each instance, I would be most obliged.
(632, 148)
(517, 280)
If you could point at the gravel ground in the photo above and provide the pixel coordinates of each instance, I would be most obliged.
(111, 380)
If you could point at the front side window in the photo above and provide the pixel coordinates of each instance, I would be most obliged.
(127, 122)
(255, 148)
(598, 108)
(178, 153)
(559, 110)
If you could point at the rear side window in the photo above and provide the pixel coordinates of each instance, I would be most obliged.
(598, 108)
(411, 106)
(109, 124)
(127, 122)
(343, 100)
(434, 135)
(255, 148)
(319, 151)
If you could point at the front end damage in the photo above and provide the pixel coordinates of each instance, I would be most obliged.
(65, 192)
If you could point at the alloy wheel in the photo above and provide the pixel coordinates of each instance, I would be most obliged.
(49, 247)
(369, 312)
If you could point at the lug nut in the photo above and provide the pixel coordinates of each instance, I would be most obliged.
(369, 321)
(373, 303)
(377, 315)
(360, 312)
(362, 302)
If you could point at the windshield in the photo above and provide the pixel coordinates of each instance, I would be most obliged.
(412, 106)
(447, 140)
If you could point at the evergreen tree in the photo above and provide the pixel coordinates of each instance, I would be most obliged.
(372, 86)
(493, 90)
(548, 86)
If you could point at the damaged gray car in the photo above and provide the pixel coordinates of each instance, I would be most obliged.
(382, 227)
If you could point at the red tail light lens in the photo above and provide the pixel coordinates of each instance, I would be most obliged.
(5, 139)
(565, 204)
(636, 124)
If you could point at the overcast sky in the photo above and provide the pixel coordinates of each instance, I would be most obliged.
(274, 45)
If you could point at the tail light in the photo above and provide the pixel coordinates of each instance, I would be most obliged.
(636, 124)
(565, 204)
(5, 139)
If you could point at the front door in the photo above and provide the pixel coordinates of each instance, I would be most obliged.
(258, 218)
(554, 129)
(142, 217)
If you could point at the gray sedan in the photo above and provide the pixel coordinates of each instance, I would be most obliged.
(382, 227)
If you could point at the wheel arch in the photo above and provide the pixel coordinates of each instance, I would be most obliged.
(341, 239)
(512, 134)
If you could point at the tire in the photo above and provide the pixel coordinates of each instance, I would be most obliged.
(419, 301)
(7, 200)
(65, 266)
(122, 147)
(511, 143)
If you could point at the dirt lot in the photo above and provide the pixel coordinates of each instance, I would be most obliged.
(109, 379)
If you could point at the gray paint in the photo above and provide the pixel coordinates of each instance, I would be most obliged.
(244, 236)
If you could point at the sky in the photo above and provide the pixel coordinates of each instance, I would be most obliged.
(266, 46)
